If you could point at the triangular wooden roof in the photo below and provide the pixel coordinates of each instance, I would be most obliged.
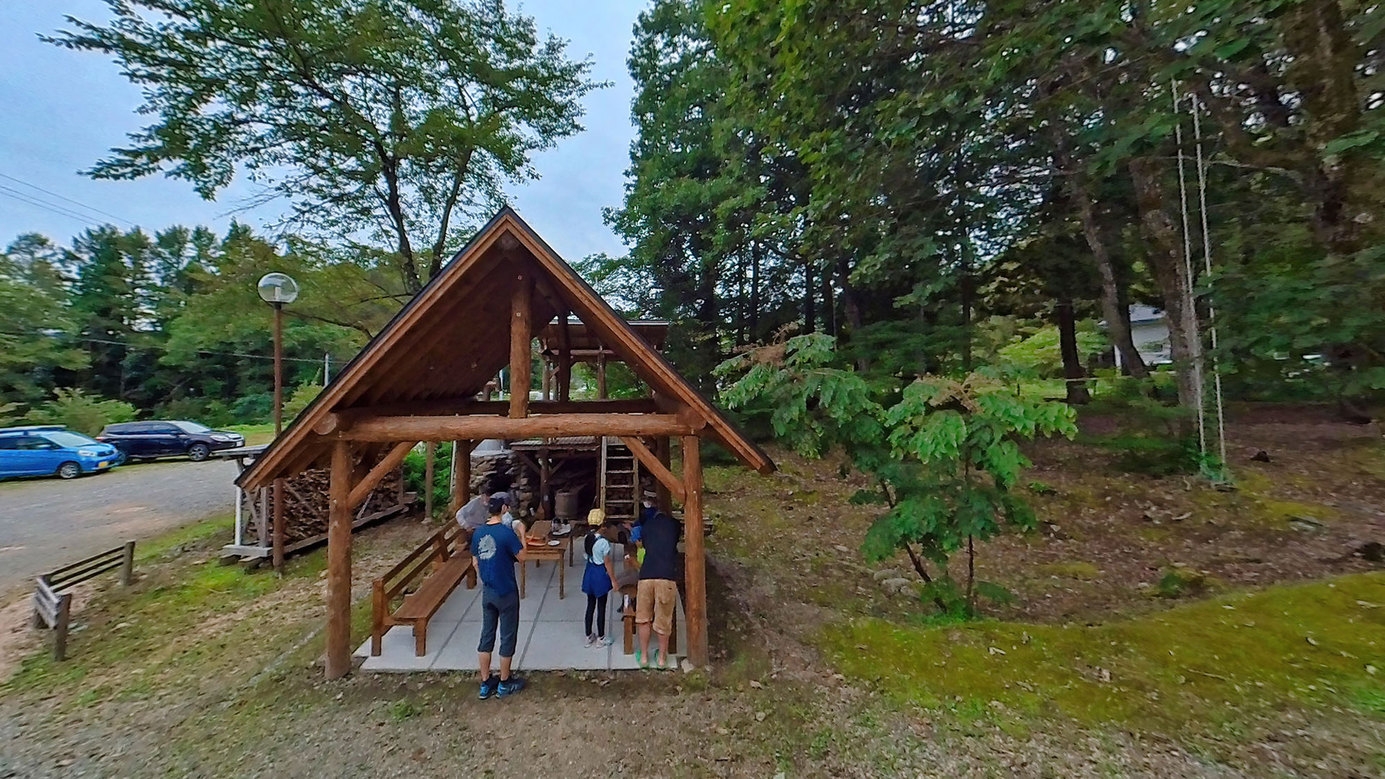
(453, 337)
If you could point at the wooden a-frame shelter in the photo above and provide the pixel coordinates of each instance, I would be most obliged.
(417, 381)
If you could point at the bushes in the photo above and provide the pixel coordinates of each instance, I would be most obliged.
(442, 473)
(252, 409)
(76, 410)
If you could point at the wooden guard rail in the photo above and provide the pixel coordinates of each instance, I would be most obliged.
(53, 605)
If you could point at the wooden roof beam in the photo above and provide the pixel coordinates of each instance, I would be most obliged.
(452, 428)
(448, 407)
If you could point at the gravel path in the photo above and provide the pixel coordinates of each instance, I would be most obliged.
(49, 522)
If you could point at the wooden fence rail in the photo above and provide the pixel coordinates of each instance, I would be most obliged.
(53, 605)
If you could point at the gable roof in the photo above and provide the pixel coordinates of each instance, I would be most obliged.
(453, 337)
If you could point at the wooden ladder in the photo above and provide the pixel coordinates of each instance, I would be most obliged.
(620, 480)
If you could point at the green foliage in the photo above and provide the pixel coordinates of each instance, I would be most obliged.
(431, 105)
(302, 395)
(253, 408)
(79, 411)
(943, 452)
(415, 468)
(1038, 353)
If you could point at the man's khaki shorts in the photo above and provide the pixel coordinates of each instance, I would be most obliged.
(654, 603)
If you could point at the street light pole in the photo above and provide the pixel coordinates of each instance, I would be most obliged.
(278, 368)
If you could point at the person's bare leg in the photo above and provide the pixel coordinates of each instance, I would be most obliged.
(663, 651)
(483, 659)
(645, 629)
(505, 668)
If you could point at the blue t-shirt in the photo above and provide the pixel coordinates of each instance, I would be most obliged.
(496, 549)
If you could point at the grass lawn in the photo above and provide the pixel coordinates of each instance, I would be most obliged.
(1272, 668)
(254, 434)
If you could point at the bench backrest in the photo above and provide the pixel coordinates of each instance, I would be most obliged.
(443, 545)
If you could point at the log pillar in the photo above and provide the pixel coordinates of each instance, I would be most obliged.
(695, 553)
(564, 367)
(339, 563)
(601, 372)
(461, 475)
(279, 529)
(521, 349)
(662, 448)
(429, 449)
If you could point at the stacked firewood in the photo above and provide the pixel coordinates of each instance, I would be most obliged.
(306, 503)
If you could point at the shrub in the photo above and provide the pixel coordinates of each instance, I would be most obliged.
(76, 410)
(303, 395)
(252, 409)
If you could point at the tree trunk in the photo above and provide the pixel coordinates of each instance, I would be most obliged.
(754, 292)
(1073, 374)
(1170, 271)
(1117, 317)
(829, 308)
(809, 313)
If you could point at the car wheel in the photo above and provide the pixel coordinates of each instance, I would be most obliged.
(198, 452)
(69, 470)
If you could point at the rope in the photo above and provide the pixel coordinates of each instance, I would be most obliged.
(1207, 266)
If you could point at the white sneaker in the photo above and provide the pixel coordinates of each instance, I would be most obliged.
(591, 640)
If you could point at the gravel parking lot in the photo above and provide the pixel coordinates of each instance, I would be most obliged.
(45, 523)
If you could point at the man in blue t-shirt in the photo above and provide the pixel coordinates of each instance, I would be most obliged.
(496, 549)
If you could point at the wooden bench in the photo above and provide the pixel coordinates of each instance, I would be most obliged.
(448, 553)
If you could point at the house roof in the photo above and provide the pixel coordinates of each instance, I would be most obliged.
(453, 337)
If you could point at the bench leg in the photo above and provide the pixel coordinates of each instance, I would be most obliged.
(562, 580)
(379, 605)
(629, 631)
(421, 638)
(523, 566)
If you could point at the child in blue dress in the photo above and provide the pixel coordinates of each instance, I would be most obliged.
(598, 579)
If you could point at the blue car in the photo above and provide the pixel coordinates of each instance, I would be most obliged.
(46, 450)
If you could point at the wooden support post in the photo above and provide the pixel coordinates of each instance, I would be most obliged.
(662, 449)
(547, 380)
(521, 348)
(127, 564)
(564, 359)
(339, 563)
(428, 450)
(367, 483)
(601, 374)
(265, 519)
(695, 554)
(545, 475)
(60, 626)
(463, 493)
(279, 529)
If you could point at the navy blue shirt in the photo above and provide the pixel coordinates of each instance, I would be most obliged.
(496, 549)
(659, 534)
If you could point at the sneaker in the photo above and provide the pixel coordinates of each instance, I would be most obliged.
(510, 686)
(591, 640)
(607, 641)
(488, 687)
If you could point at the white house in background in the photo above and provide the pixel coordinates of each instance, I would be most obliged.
(1149, 329)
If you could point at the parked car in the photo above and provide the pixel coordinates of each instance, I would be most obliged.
(46, 450)
(148, 440)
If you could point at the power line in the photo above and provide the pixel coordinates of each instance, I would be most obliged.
(164, 347)
(92, 209)
(15, 194)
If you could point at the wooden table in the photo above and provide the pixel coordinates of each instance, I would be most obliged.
(538, 554)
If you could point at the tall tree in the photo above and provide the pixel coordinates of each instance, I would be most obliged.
(392, 122)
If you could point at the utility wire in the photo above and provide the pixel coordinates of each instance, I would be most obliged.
(164, 347)
(15, 194)
(51, 193)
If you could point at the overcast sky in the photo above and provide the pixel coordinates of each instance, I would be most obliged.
(63, 110)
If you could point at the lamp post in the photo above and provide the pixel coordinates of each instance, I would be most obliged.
(277, 289)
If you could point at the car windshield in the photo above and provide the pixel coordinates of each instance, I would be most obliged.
(69, 439)
(193, 427)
